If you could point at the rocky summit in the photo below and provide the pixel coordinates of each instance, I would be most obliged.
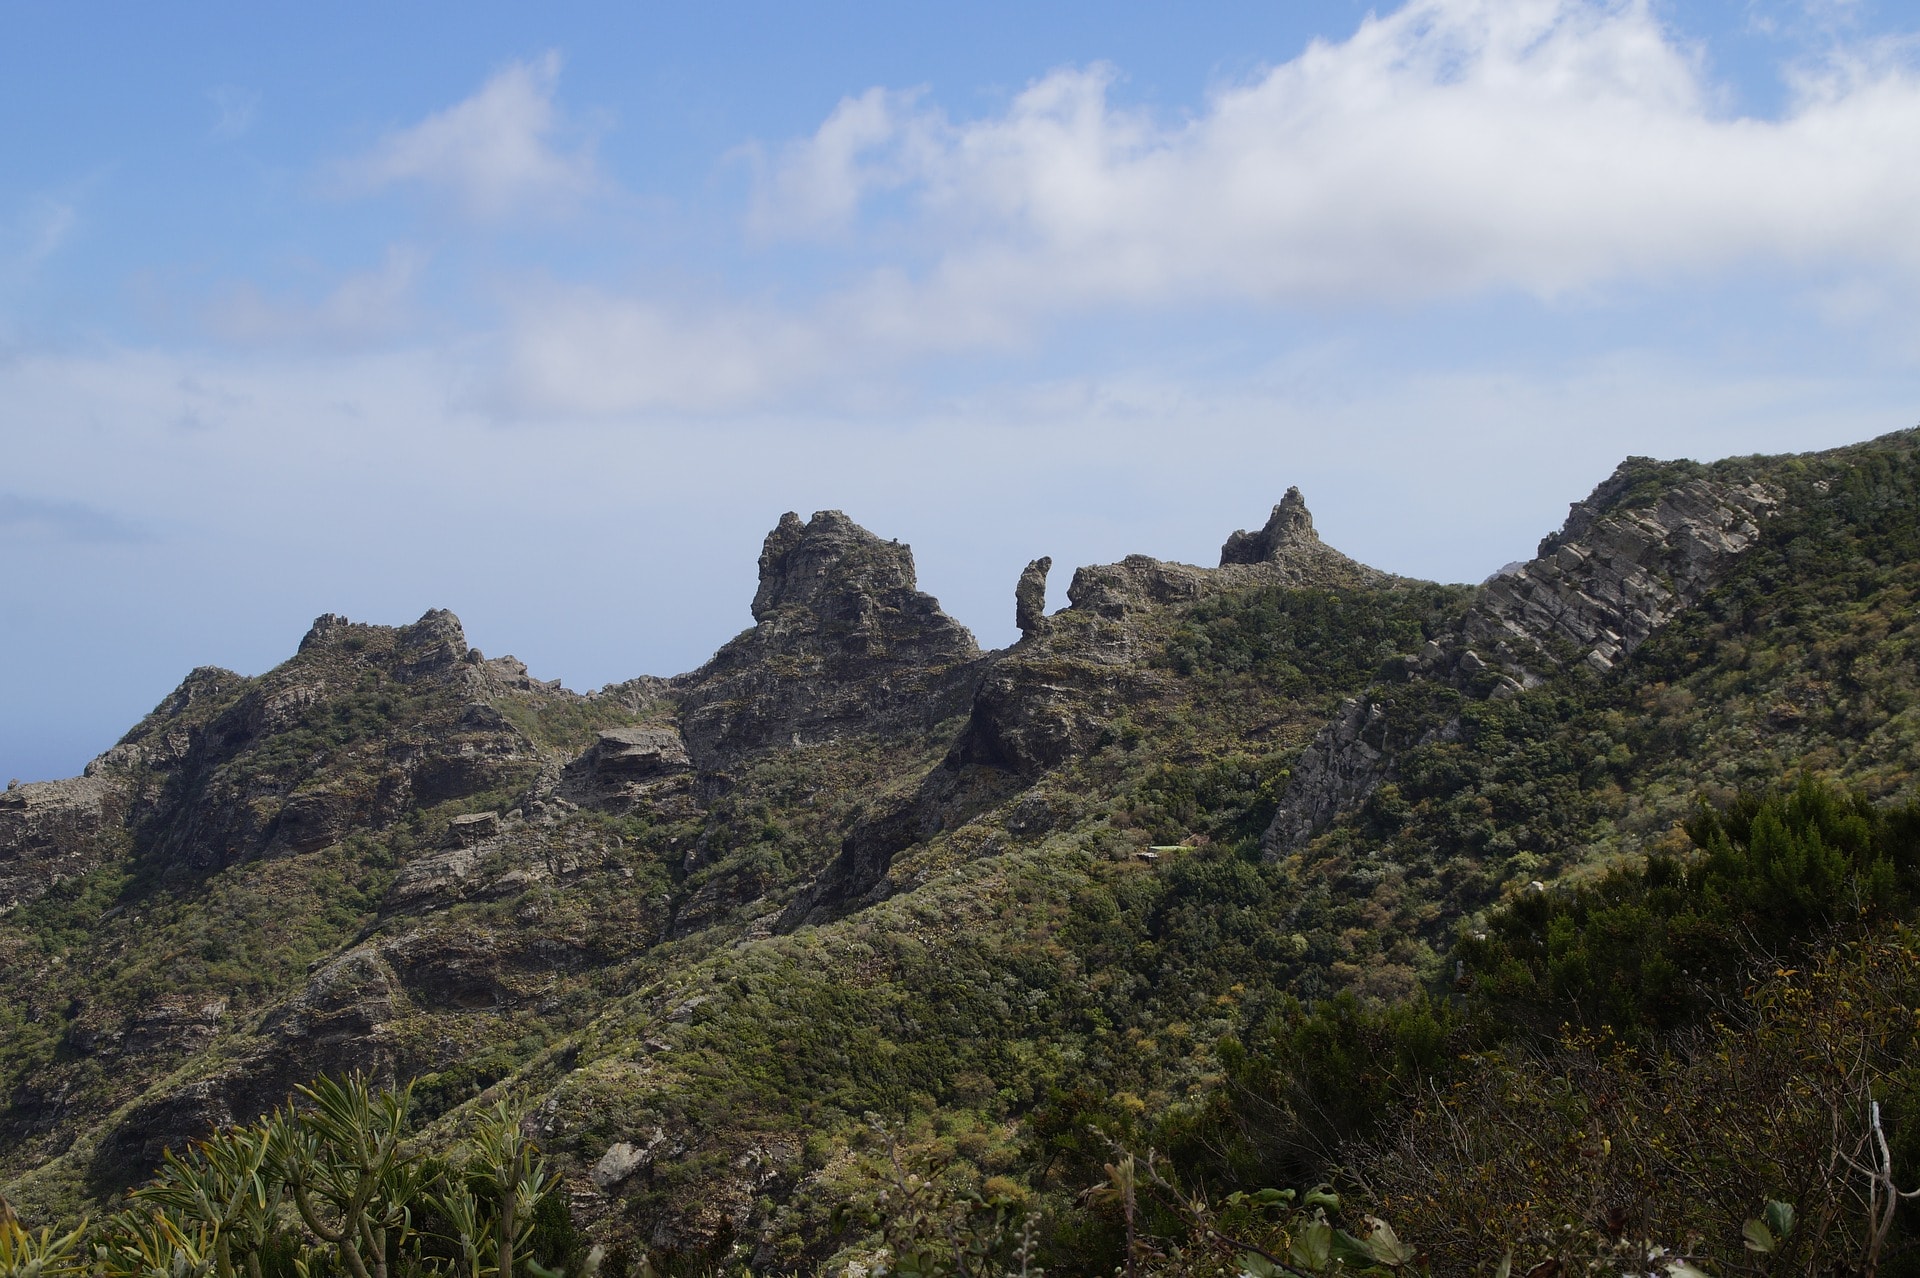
(712, 928)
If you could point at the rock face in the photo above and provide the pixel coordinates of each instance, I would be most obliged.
(1290, 525)
(364, 723)
(53, 830)
(1053, 696)
(331, 1027)
(343, 1020)
(1030, 596)
(843, 642)
(1617, 571)
(1609, 579)
(1350, 757)
(1136, 584)
(626, 768)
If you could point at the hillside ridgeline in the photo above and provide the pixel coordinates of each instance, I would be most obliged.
(856, 866)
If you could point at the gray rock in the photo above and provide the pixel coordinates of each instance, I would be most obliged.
(843, 643)
(53, 830)
(630, 768)
(1290, 525)
(1030, 596)
(619, 1162)
(1289, 552)
(1610, 578)
(1599, 589)
(466, 830)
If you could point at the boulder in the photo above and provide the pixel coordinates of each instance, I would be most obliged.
(626, 768)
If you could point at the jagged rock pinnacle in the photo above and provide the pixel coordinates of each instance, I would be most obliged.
(1291, 524)
(1030, 596)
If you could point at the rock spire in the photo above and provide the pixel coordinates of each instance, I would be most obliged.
(1291, 524)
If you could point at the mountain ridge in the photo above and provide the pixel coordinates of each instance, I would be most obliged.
(672, 908)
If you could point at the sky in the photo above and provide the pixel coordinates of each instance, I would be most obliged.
(544, 314)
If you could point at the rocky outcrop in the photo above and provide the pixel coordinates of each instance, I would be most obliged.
(342, 1021)
(1134, 585)
(629, 768)
(1350, 757)
(843, 642)
(363, 724)
(331, 1028)
(1609, 579)
(470, 828)
(1289, 526)
(1287, 551)
(160, 1032)
(53, 830)
(1030, 596)
(1616, 572)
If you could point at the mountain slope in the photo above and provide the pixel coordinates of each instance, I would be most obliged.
(855, 865)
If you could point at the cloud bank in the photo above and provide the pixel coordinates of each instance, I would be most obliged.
(1553, 149)
(1453, 146)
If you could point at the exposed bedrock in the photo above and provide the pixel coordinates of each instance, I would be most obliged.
(363, 724)
(1030, 596)
(843, 641)
(1290, 525)
(1598, 589)
(630, 768)
(51, 831)
(1606, 582)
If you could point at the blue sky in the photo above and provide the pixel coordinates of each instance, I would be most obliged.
(546, 317)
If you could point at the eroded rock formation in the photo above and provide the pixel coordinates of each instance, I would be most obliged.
(843, 641)
(1617, 571)
(1030, 596)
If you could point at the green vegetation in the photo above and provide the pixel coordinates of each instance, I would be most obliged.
(331, 1186)
(1608, 965)
(1654, 948)
(1296, 642)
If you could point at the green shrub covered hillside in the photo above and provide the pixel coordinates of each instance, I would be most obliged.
(1282, 916)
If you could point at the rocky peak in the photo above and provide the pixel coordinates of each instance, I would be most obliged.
(827, 565)
(363, 723)
(1290, 524)
(843, 639)
(432, 645)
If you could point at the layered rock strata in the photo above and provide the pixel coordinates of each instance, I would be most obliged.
(1599, 588)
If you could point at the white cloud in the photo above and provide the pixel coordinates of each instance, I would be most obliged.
(586, 352)
(1452, 147)
(581, 351)
(494, 153)
(871, 142)
(366, 307)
